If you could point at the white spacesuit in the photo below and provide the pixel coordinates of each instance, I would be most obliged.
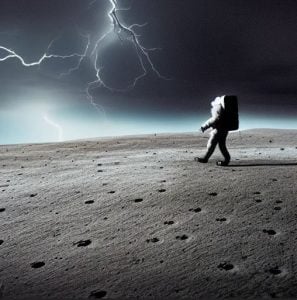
(218, 134)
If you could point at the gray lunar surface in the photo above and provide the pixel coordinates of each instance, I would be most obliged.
(137, 217)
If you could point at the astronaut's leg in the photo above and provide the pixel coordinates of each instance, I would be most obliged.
(222, 136)
(211, 145)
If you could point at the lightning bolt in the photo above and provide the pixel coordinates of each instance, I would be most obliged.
(55, 125)
(123, 33)
(81, 57)
(9, 53)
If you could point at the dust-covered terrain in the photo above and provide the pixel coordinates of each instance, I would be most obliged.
(137, 217)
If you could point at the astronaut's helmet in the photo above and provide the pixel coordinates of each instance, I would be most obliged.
(218, 101)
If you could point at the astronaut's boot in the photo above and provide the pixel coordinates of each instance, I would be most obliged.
(222, 163)
(201, 159)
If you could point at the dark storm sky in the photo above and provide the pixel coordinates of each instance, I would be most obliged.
(209, 48)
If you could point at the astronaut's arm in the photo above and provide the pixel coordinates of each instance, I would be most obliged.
(209, 123)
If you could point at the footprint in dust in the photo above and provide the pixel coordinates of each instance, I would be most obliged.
(82, 243)
(182, 237)
(225, 266)
(37, 264)
(196, 210)
(98, 294)
(269, 231)
(275, 271)
(277, 208)
(221, 219)
(257, 193)
(213, 194)
(2, 209)
(1, 242)
(153, 240)
(111, 192)
(168, 222)
(161, 190)
(33, 195)
(278, 201)
(138, 200)
(89, 202)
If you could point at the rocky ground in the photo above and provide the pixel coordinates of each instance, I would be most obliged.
(137, 217)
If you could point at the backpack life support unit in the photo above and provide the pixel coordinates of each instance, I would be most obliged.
(231, 119)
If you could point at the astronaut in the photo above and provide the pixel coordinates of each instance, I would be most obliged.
(218, 134)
